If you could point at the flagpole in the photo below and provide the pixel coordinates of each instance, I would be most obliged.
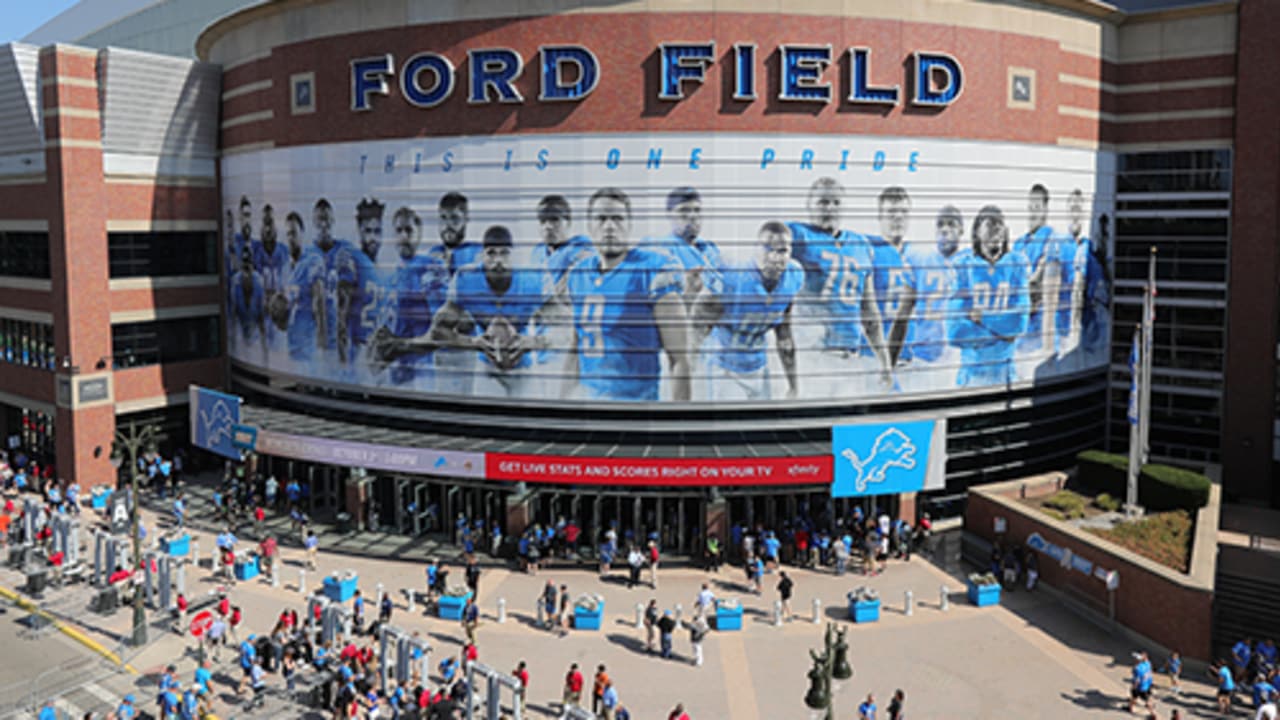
(1135, 433)
(1148, 341)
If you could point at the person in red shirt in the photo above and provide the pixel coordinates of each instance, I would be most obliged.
(259, 517)
(678, 713)
(469, 654)
(180, 620)
(224, 606)
(572, 688)
(522, 674)
(802, 548)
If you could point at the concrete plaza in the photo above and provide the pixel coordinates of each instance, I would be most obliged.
(1030, 657)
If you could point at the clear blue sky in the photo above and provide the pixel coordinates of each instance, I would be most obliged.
(19, 17)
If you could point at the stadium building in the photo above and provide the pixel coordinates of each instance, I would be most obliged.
(666, 265)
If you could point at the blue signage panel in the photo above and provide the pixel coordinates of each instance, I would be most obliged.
(244, 437)
(214, 416)
(881, 458)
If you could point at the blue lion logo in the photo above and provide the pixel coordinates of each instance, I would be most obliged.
(216, 424)
(892, 449)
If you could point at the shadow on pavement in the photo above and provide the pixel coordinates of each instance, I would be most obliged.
(634, 644)
(1092, 699)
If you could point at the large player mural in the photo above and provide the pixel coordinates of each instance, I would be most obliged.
(673, 268)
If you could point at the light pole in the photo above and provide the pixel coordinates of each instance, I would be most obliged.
(130, 441)
(830, 669)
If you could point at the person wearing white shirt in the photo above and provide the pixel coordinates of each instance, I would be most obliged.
(706, 600)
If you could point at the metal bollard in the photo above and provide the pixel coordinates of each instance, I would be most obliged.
(777, 613)
(275, 573)
(679, 612)
(302, 580)
(908, 603)
(639, 614)
(377, 595)
(502, 610)
(817, 610)
(195, 553)
(944, 599)
(411, 595)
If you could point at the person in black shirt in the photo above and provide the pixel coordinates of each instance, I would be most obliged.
(666, 626)
(895, 705)
(785, 586)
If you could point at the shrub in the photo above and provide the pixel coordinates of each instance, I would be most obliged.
(1103, 472)
(1160, 487)
(1164, 487)
(1107, 503)
(1070, 505)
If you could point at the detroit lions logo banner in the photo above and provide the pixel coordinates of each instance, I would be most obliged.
(213, 418)
(888, 458)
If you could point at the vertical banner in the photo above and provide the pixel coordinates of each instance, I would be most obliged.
(214, 416)
(888, 458)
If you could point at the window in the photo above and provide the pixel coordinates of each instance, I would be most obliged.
(164, 341)
(26, 343)
(24, 254)
(161, 254)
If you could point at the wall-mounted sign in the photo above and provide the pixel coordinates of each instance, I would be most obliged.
(653, 471)
(94, 389)
(572, 72)
(1068, 559)
(888, 458)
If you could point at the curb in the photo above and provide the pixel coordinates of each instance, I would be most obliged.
(65, 629)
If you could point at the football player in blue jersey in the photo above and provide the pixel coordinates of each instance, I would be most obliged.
(270, 258)
(1075, 255)
(1096, 315)
(307, 313)
(696, 255)
(419, 285)
(366, 297)
(840, 295)
(895, 282)
(931, 264)
(627, 310)
(337, 283)
(249, 308)
(492, 309)
(239, 242)
(739, 307)
(454, 250)
(989, 309)
(1038, 245)
(558, 250)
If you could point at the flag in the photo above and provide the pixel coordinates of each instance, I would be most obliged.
(1133, 378)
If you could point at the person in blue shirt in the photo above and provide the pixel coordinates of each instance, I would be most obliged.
(1226, 686)
(840, 296)
(1140, 683)
(247, 656)
(696, 255)
(627, 311)
(990, 306)
(169, 702)
(935, 280)
(190, 707)
(126, 710)
(740, 307)
(47, 711)
(1267, 648)
(203, 676)
(248, 306)
(894, 279)
(1262, 690)
(1173, 668)
(1039, 246)
(1241, 653)
(418, 285)
(867, 709)
(495, 309)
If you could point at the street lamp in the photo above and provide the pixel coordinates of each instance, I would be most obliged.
(130, 441)
(830, 669)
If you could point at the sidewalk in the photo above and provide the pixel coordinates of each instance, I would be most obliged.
(1029, 655)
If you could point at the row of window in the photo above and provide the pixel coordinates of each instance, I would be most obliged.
(149, 254)
(27, 343)
(164, 341)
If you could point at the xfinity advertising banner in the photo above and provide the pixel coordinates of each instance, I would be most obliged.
(672, 268)
(889, 458)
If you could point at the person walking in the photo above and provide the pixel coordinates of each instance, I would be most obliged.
(867, 710)
(562, 617)
(635, 561)
(473, 577)
(597, 691)
(357, 613)
(896, 705)
(471, 619)
(1140, 688)
(678, 713)
(785, 587)
(572, 689)
(666, 626)
(521, 673)
(650, 624)
(698, 630)
(549, 605)
(609, 701)
(1226, 686)
(312, 546)
(1173, 668)
(653, 564)
(705, 602)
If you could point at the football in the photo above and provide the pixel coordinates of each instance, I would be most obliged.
(278, 310)
(500, 340)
